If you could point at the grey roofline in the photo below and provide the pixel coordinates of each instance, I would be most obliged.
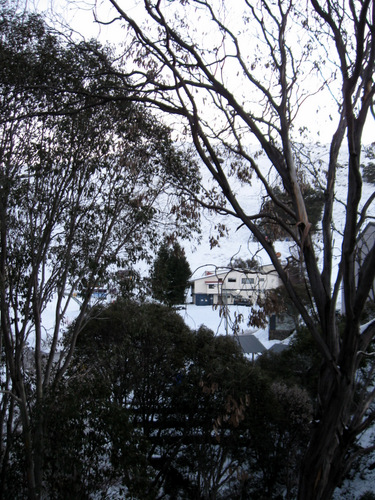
(250, 344)
(228, 271)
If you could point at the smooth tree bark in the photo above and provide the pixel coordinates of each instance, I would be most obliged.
(259, 75)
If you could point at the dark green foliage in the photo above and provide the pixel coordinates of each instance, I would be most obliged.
(273, 214)
(127, 284)
(369, 173)
(75, 446)
(151, 406)
(246, 264)
(278, 431)
(368, 311)
(170, 274)
(150, 389)
(368, 495)
(369, 167)
(298, 365)
(278, 302)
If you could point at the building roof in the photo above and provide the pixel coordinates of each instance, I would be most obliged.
(369, 227)
(277, 348)
(211, 276)
(367, 234)
(250, 344)
(214, 275)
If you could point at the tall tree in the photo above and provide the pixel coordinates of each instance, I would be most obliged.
(149, 390)
(169, 274)
(82, 190)
(259, 71)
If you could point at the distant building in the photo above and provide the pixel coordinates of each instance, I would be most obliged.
(99, 293)
(233, 286)
(281, 326)
(365, 243)
(250, 345)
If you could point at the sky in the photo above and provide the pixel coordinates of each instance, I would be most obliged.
(318, 113)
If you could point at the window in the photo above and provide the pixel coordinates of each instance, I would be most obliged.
(247, 281)
(211, 287)
(232, 280)
(261, 279)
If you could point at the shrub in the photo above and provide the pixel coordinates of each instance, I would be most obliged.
(368, 495)
(369, 173)
(155, 408)
(369, 167)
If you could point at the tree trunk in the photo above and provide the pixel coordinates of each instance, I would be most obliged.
(323, 465)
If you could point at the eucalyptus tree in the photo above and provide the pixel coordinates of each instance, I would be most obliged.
(252, 77)
(83, 191)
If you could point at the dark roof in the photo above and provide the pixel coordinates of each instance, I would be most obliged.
(277, 348)
(250, 344)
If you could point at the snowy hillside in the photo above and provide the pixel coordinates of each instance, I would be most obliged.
(239, 243)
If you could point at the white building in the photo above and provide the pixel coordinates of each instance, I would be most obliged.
(233, 286)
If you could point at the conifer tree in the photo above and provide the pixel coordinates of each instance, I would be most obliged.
(170, 274)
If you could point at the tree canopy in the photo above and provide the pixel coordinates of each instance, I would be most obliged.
(167, 415)
(252, 81)
(256, 76)
(84, 190)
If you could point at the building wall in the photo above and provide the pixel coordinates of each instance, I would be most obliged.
(365, 242)
(203, 299)
(232, 287)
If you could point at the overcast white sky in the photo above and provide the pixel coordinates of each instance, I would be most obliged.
(317, 112)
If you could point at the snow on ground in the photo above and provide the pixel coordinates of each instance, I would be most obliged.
(361, 478)
(238, 242)
(210, 316)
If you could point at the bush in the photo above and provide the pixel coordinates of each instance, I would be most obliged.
(151, 407)
(298, 365)
(368, 495)
(142, 396)
(368, 169)
(369, 173)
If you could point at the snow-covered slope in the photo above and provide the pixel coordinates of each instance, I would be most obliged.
(239, 243)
